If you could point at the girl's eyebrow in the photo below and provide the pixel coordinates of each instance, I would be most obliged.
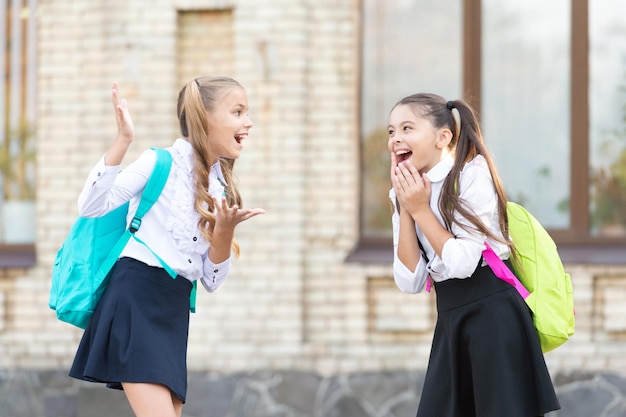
(401, 123)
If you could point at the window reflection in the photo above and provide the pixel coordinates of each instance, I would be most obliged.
(17, 124)
(525, 102)
(408, 47)
(607, 136)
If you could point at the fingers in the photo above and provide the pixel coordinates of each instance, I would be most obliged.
(408, 167)
(115, 95)
(394, 166)
(407, 176)
(395, 181)
(220, 203)
(234, 214)
(410, 186)
(253, 212)
(394, 160)
(120, 106)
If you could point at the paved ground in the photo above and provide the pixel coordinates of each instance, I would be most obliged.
(283, 394)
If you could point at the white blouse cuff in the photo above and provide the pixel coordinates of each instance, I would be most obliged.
(103, 173)
(457, 258)
(409, 281)
(215, 274)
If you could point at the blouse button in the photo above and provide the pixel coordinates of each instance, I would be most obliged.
(98, 174)
(216, 271)
(189, 260)
(195, 239)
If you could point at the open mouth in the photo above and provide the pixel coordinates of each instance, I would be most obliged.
(403, 155)
(239, 138)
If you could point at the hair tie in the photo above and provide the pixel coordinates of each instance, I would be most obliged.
(197, 82)
(456, 117)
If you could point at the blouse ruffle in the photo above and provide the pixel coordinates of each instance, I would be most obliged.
(182, 219)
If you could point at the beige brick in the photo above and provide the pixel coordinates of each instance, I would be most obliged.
(291, 301)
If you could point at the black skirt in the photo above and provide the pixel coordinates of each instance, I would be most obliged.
(485, 360)
(139, 330)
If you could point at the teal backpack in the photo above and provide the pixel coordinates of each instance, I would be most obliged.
(547, 288)
(80, 274)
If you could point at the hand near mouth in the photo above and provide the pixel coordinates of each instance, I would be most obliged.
(394, 163)
(412, 189)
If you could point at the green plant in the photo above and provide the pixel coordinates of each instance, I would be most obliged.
(609, 184)
(17, 163)
(376, 183)
(609, 194)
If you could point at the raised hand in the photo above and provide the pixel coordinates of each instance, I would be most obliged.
(125, 129)
(125, 126)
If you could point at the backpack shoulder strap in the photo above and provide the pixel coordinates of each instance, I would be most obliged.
(153, 188)
(151, 193)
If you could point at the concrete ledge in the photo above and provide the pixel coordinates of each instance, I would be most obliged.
(283, 394)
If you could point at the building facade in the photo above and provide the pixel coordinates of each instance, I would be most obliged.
(312, 289)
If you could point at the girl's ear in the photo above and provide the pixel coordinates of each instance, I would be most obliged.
(444, 137)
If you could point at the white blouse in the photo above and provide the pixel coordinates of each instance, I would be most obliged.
(170, 227)
(461, 254)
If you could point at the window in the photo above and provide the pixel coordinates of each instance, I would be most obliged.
(607, 119)
(549, 82)
(17, 145)
(525, 102)
(408, 47)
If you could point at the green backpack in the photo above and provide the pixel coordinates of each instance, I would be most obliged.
(538, 266)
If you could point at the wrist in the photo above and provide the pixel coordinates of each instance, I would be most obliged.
(406, 215)
(223, 234)
(420, 211)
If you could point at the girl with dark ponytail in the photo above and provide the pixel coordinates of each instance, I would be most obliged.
(448, 201)
(136, 339)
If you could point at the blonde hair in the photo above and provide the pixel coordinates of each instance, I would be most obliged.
(196, 98)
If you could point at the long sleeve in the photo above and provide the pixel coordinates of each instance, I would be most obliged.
(101, 194)
(461, 254)
(406, 280)
(214, 274)
(170, 227)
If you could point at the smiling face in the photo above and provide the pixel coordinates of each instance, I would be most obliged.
(228, 124)
(414, 137)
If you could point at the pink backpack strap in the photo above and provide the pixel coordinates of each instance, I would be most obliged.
(502, 271)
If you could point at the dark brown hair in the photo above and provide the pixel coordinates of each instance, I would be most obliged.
(467, 143)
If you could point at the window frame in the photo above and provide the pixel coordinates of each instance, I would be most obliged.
(575, 243)
(17, 256)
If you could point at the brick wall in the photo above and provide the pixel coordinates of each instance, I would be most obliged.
(291, 301)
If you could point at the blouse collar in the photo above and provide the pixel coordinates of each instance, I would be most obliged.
(441, 170)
